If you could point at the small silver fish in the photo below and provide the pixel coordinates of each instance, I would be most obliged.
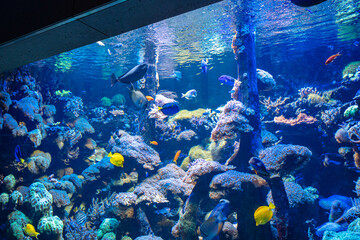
(190, 94)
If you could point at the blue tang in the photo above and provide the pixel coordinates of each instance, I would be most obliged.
(135, 74)
(258, 166)
(170, 108)
(211, 228)
(227, 80)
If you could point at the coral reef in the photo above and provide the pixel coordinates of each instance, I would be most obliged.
(107, 226)
(285, 158)
(231, 121)
(302, 118)
(118, 100)
(134, 149)
(39, 162)
(40, 199)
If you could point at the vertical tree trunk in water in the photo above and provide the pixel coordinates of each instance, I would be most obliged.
(147, 125)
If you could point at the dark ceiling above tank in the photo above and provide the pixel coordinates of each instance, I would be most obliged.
(34, 30)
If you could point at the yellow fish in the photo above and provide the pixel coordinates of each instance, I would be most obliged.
(30, 231)
(116, 159)
(264, 214)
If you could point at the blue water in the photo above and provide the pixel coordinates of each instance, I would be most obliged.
(291, 44)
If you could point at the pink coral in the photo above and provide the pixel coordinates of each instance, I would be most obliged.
(231, 121)
(301, 118)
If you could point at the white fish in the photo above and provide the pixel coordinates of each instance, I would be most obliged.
(100, 43)
(190, 94)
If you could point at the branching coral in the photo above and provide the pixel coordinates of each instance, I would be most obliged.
(274, 106)
(304, 92)
(301, 118)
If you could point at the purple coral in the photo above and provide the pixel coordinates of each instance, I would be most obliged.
(231, 121)
(285, 158)
(134, 147)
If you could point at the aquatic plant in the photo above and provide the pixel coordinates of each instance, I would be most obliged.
(105, 101)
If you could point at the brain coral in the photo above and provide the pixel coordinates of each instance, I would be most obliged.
(285, 158)
(51, 225)
(40, 199)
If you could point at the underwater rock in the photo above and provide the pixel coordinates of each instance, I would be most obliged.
(109, 236)
(268, 139)
(50, 226)
(229, 231)
(350, 69)
(35, 137)
(10, 182)
(332, 235)
(233, 180)
(82, 125)
(329, 227)
(196, 152)
(118, 100)
(326, 203)
(201, 167)
(17, 220)
(148, 237)
(266, 81)
(48, 110)
(354, 226)
(40, 199)
(39, 162)
(60, 197)
(125, 199)
(107, 226)
(149, 194)
(5, 101)
(285, 158)
(231, 121)
(186, 135)
(29, 106)
(75, 180)
(296, 194)
(98, 170)
(134, 149)
(186, 114)
(11, 124)
(73, 107)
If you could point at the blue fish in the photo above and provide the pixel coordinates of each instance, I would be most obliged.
(177, 75)
(258, 166)
(204, 67)
(18, 154)
(135, 74)
(227, 80)
(307, 3)
(212, 227)
(170, 108)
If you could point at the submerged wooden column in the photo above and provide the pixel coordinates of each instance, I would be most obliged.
(244, 50)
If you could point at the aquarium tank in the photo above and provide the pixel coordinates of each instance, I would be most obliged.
(239, 120)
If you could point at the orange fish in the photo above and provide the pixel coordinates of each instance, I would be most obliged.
(149, 98)
(332, 58)
(177, 156)
(154, 143)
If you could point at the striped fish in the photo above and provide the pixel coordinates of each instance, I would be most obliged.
(80, 218)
